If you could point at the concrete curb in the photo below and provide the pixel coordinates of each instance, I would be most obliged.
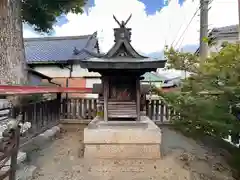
(75, 121)
(26, 173)
(40, 141)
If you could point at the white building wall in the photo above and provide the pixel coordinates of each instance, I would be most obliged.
(54, 71)
(91, 81)
(217, 46)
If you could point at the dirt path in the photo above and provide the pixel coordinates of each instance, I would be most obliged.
(182, 159)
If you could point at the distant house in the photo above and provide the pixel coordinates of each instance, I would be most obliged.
(52, 56)
(153, 79)
(220, 35)
(160, 81)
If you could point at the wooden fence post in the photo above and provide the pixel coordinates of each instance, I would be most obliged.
(13, 165)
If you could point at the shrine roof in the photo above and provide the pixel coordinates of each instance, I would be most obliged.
(122, 63)
(123, 59)
(122, 55)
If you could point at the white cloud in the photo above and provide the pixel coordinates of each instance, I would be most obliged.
(149, 33)
(28, 32)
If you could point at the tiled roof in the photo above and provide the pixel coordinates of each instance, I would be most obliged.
(55, 49)
(153, 77)
(226, 29)
(222, 32)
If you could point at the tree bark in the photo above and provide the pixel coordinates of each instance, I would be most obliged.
(12, 55)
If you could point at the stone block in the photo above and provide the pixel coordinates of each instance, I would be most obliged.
(120, 140)
(41, 140)
(26, 173)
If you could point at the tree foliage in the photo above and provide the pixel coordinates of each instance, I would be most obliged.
(206, 98)
(181, 61)
(42, 14)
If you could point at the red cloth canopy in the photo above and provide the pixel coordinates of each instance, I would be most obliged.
(17, 90)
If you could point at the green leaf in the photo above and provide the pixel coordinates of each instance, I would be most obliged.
(42, 14)
(205, 98)
(205, 39)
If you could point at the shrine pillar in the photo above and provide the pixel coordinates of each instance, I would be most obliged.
(138, 98)
(105, 81)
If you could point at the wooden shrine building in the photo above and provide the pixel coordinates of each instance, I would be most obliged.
(121, 68)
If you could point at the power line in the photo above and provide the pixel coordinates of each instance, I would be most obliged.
(182, 35)
(187, 26)
(177, 34)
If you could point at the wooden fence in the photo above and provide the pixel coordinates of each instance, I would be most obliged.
(79, 108)
(158, 111)
(42, 116)
(86, 108)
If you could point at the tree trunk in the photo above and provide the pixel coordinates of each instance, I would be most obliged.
(12, 58)
(12, 55)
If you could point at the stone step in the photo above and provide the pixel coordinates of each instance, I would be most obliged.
(121, 115)
(26, 172)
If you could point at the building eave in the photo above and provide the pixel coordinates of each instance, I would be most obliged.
(120, 65)
(43, 76)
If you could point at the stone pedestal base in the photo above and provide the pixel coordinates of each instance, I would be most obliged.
(122, 139)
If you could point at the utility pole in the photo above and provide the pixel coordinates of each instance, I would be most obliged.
(239, 20)
(204, 28)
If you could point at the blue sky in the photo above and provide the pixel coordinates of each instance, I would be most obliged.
(155, 5)
(153, 24)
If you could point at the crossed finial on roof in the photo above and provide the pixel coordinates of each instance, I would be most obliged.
(123, 23)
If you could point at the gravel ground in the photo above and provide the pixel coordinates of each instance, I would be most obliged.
(183, 159)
